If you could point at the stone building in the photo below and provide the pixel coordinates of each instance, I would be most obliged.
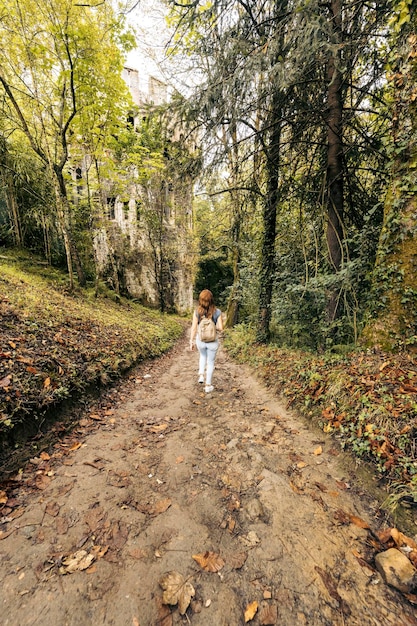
(145, 246)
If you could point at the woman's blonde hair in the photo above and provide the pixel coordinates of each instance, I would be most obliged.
(206, 306)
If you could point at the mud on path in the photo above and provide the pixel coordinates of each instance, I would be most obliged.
(164, 472)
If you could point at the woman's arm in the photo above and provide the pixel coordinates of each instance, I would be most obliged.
(219, 323)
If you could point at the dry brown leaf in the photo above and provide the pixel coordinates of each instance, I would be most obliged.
(65, 489)
(78, 561)
(179, 459)
(318, 451)
(47, 382)
(295, 488)
(177, 590)
(161, 506)
(158, 428)
(385, 537)
(42, 481)
(5, 382)
(301, 465)
(268, 615)
(93, 517)
(52, 509)
(237, 560)
(250, 611)
(342, 485)
(3, 497)
(137, 553)
(402, 540)
(5, 533)
(209, 561)
(341, 517)
(413, 557)
(75, 446)
(358, 521)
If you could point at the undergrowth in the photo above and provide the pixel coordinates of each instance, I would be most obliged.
(54, 345)
(366, 399)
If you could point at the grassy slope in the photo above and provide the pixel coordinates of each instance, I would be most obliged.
(54, 345)
(367, 399)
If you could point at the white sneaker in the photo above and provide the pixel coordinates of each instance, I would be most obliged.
(208, 388)
(201, 378)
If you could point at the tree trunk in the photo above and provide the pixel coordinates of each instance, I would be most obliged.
(63, 217)
(269, 217)
(334, 180)
(232, 313)
(10, 194)
(394, 321)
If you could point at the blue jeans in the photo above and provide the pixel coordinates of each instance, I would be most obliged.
(208, 353)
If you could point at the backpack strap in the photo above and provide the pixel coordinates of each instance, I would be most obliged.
(214, 317)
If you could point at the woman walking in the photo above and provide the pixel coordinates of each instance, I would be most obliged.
(206, 310)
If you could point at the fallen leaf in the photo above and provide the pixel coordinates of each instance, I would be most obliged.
(65, 489)
(179, 459)
(237, 560)
(52, 508)
(318, 451)
(342, 485)
(295, 488)
(42, 481)
(331, 587)
(3, 497)
(137, 553)
(161, 506)
(158, 428)
(268, 615)
(5, 533)
(360, 523)
(47, 382)
(341, 517)
(209, 561)
(75, 446)
(176, 590)
(250, 611)
(301, 464)
(402, 540)
(78, 561)
(5, 382)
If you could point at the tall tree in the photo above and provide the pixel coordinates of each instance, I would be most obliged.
(395, 278)
(48, 52)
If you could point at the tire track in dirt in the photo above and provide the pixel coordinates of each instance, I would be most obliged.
(171, 472)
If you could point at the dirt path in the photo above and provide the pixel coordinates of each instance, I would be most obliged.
(164, 472)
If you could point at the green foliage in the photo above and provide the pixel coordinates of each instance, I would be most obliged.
(56, 347)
